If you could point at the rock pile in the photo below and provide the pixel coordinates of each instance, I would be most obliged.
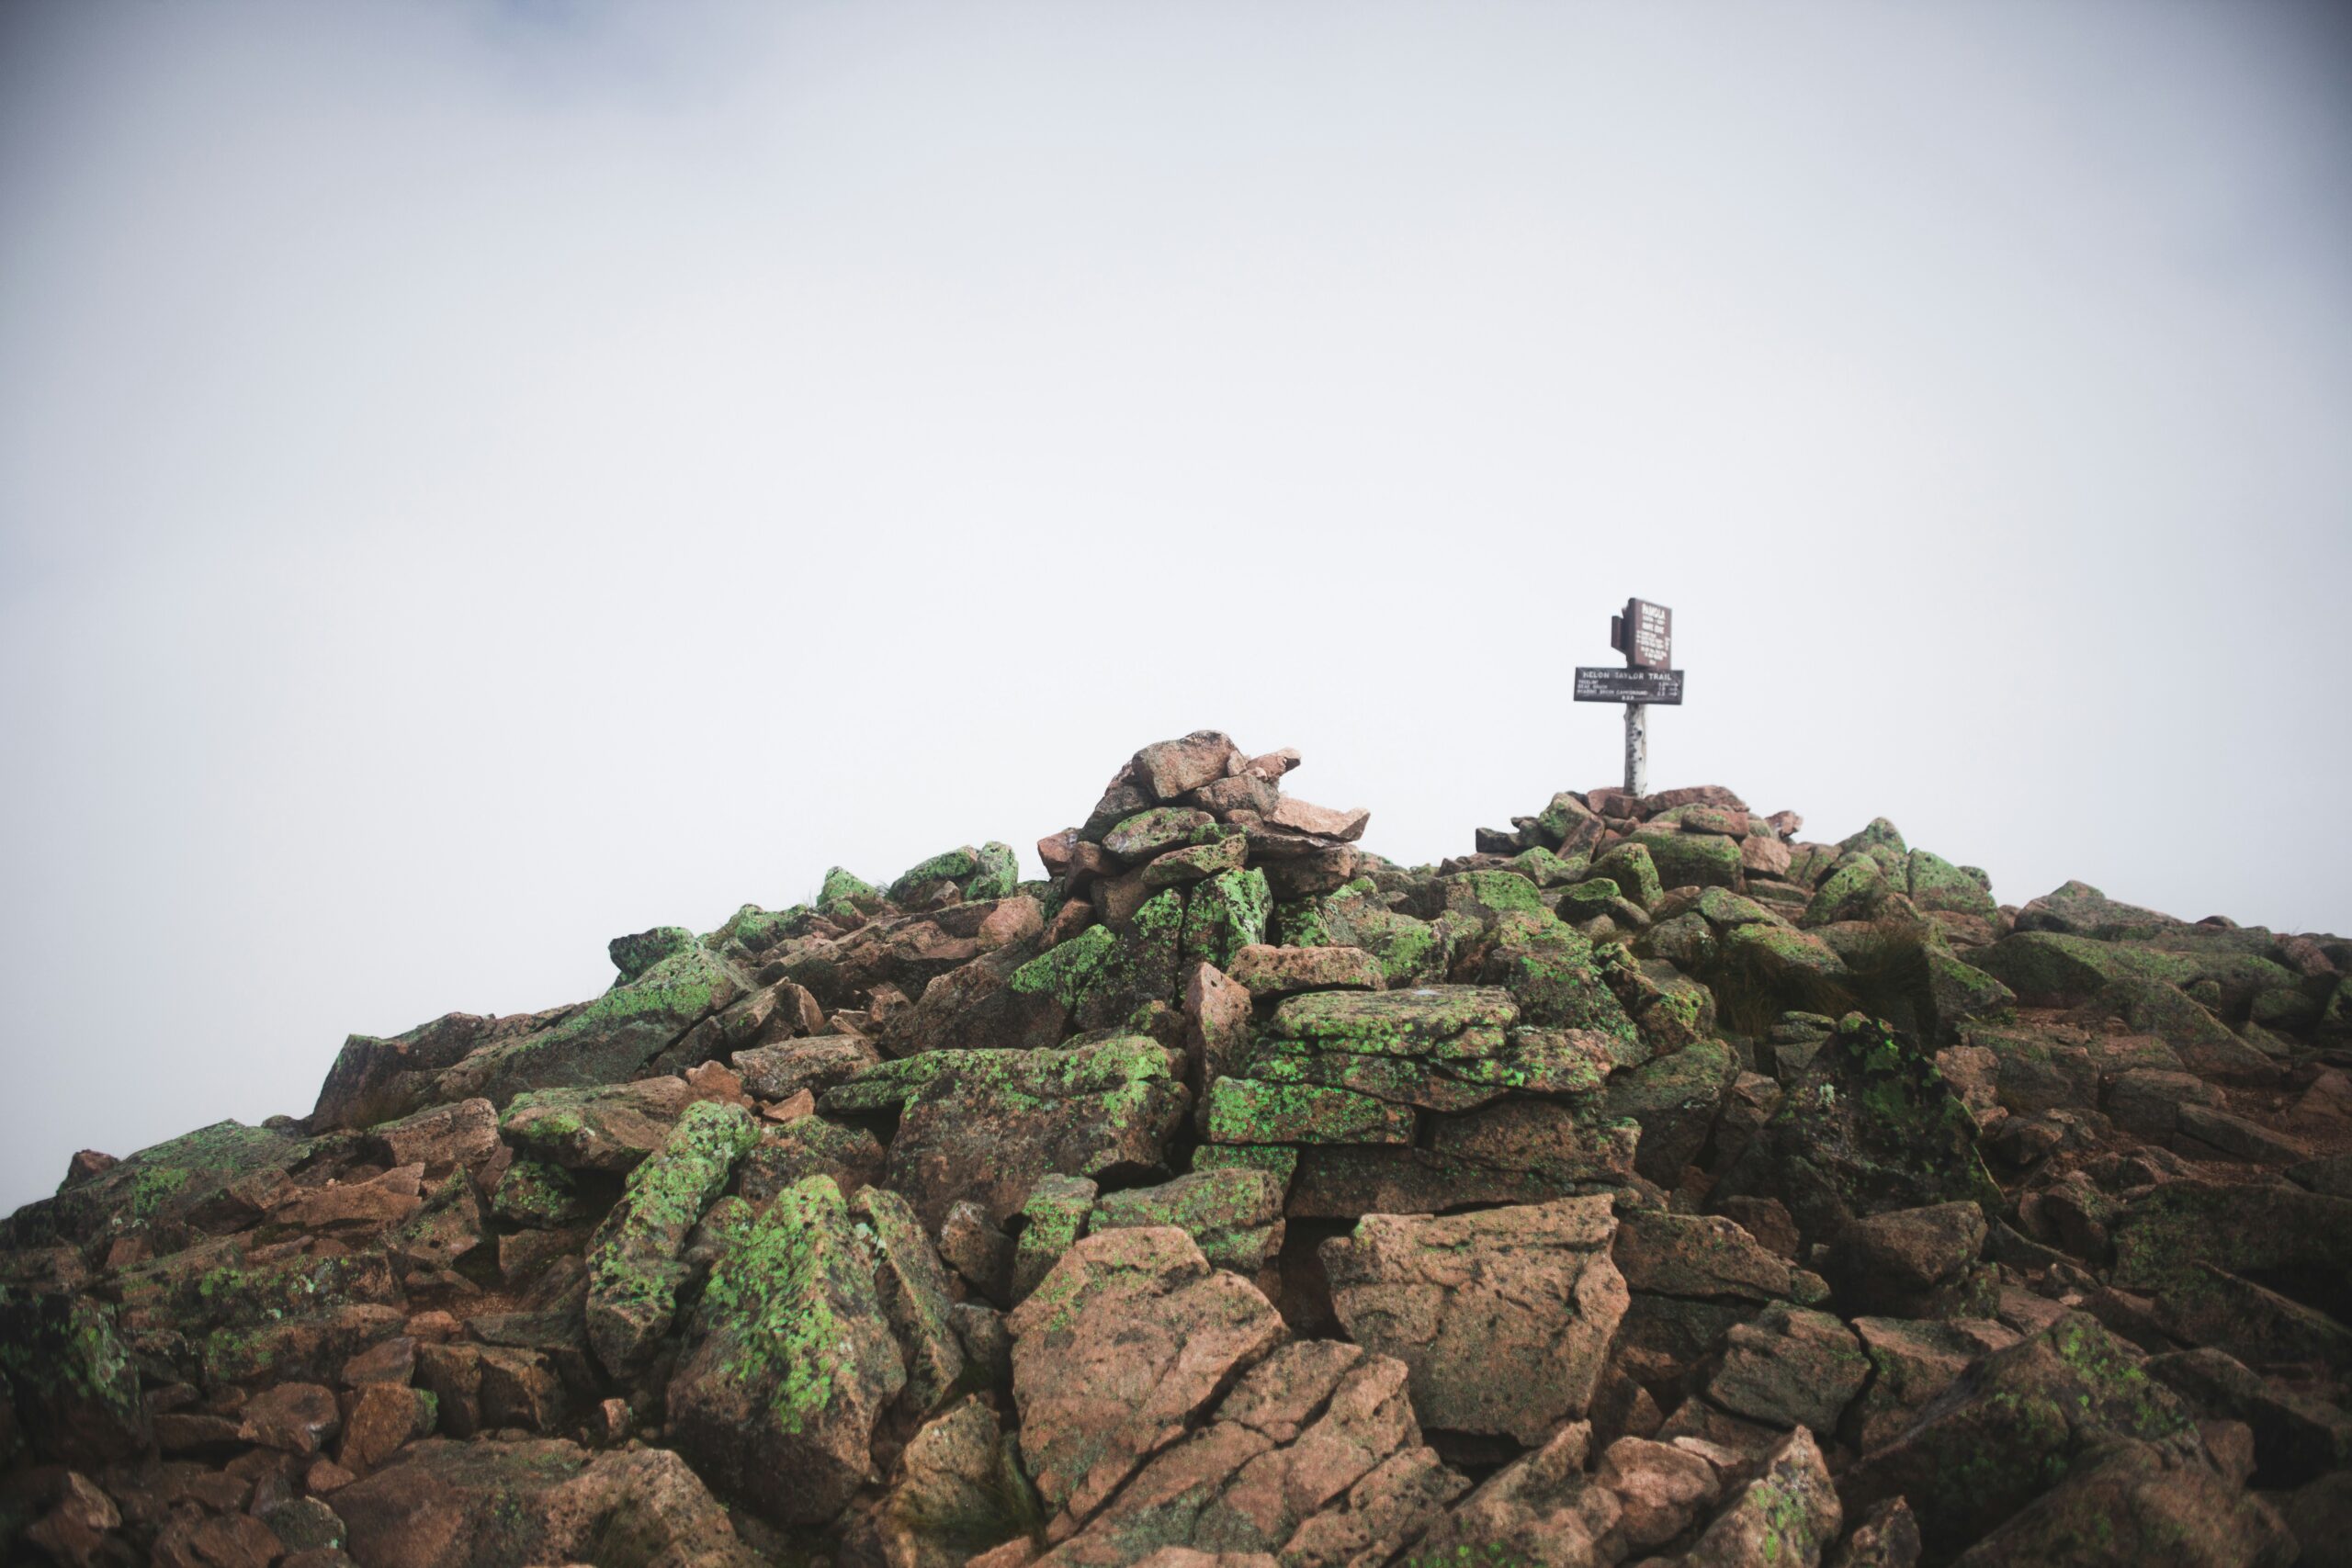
(1649, 1186)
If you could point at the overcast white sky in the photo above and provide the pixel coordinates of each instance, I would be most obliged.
(476, 480)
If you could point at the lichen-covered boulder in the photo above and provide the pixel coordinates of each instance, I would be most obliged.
(1128, 1340)
(986, 1124)
(1675, 1099)
(209, 1182)
(634, 1269)
(609, 1040)
(75, 1387)
(2012, 1427)
(792, 1363)
(1869, 1127)
(1505, 1317)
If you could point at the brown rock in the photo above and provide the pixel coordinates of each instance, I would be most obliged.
(1907, 1250)
(1788, 1367)
(442, 1138)
(1166, 769)
(297, 1418)
(1120, 1347)
(1505, 1317)
(384, 1418)
(74, 1531)
(1269, 971)
(450, 1505)
(369, 1205)
(1788, 1514)
(784, 1068)
(1217, 1031)
(1320, 821)
(1313, 1456)
(1766, 1219)
(1660, 1489)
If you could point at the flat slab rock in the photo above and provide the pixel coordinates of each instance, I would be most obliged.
(1505, 1317)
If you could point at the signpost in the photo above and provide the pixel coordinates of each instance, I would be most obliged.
(1645, 635)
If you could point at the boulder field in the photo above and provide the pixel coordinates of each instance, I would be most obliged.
(1649, 1187)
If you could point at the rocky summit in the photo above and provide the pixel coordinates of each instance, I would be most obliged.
(1649, 1186)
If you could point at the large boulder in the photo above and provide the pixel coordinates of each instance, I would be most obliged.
(1123, 1345)
(452, 1505)
(986, 1124)
(74, 1385)
(610, 1040)
(792, 1362)
(1504, 1316)
(2013, 1425)
(1313, 1457)
(1869, 1127)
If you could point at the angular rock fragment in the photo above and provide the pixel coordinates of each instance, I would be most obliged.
(1504, 1316)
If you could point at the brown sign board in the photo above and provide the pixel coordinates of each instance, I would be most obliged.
(1645, 635)
(1605, 685)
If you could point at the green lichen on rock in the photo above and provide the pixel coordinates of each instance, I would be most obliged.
(1052, 1218)
(1869, 1127)
(1068, 971)
(1411, 951)
(1550, 971)
(948, 865)
(538, 1196)
(634, 954)
(792, 1364)
(1687, 860)
(996, 873)
(1397, 1022)
(1487, 896)
(168, 1195)
(1252, 1110)
(609, 1040)
(986, 1123)
(75, 1387)
(1233, 1215)
(1853, 891)
(1629, 865)
(1936, 884)
(634, 1272)
(1279, 1161)
(1223, 915)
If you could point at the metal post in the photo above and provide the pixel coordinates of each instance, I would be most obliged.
(1637, 748)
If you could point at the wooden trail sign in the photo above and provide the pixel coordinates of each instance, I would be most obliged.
(1645, 635)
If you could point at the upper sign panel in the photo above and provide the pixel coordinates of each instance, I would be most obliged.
(1652, 626)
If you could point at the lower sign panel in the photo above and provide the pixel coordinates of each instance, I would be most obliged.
(1629, 685)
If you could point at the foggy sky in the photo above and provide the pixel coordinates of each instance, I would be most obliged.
(476, 481)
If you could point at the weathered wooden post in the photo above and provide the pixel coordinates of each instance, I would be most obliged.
(1645, 635)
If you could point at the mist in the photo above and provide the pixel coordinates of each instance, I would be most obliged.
(479, 479)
